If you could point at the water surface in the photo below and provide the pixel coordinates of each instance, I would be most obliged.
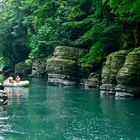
(43, 112)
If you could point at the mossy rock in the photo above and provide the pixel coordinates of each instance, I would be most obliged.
(23, 68)
(39, 67)
(62, 66)
(112, 66)
(72, 53)
(129, 74)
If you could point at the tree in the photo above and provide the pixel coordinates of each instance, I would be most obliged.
(129, 13)
(13, 35)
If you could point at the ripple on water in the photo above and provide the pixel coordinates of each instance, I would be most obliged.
(76, 125)
(67, 114)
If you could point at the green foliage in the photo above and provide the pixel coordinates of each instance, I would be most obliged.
(28, 62)
(96, 54)
(13, 35)
(42, 44)
(78, 18)
(126, 9)
(31, 29)
(4, 62)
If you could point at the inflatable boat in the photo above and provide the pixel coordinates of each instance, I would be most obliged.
(17, 84)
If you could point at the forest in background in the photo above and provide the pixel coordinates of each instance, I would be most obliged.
(31, 29)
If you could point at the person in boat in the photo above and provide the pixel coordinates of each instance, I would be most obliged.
(10, 79)
(17, 79)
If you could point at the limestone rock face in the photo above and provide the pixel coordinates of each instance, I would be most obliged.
(61, 71)
(112, 66)
(59, 66)
(62, 67)
(121, 74)
(39, 68)
(91, 82)
(128, 78)
(72, 53)
(23, 68)
(3, 97)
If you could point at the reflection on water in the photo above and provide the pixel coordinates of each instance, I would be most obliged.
(8, 113)
(3, 121)
(16, 93)
(67, 113)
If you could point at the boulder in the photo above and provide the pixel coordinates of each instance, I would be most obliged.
(62, 67)
(61, 71)
(112, 66)
(39, 68)
(59, 79)
(107, 89)
(91, 82)
(128, 78)
(3, 97)
(121, 74)
(72, 53)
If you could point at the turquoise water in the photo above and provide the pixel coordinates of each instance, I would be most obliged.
(43, 112)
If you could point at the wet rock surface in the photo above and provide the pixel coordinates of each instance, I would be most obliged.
(62, 67)
(3, 97)
(128, 78)
(92, 81)
(121, 74)
(39, 68)
(112, 66)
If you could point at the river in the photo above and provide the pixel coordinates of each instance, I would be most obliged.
(43, 112)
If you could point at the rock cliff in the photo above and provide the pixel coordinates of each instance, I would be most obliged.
(3, 97)
(92, 81)
(121, 74)
(63, 67)
(39, 68)
(112, 66)
(128, 78)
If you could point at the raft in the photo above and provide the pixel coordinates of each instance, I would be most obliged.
(19, 84)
